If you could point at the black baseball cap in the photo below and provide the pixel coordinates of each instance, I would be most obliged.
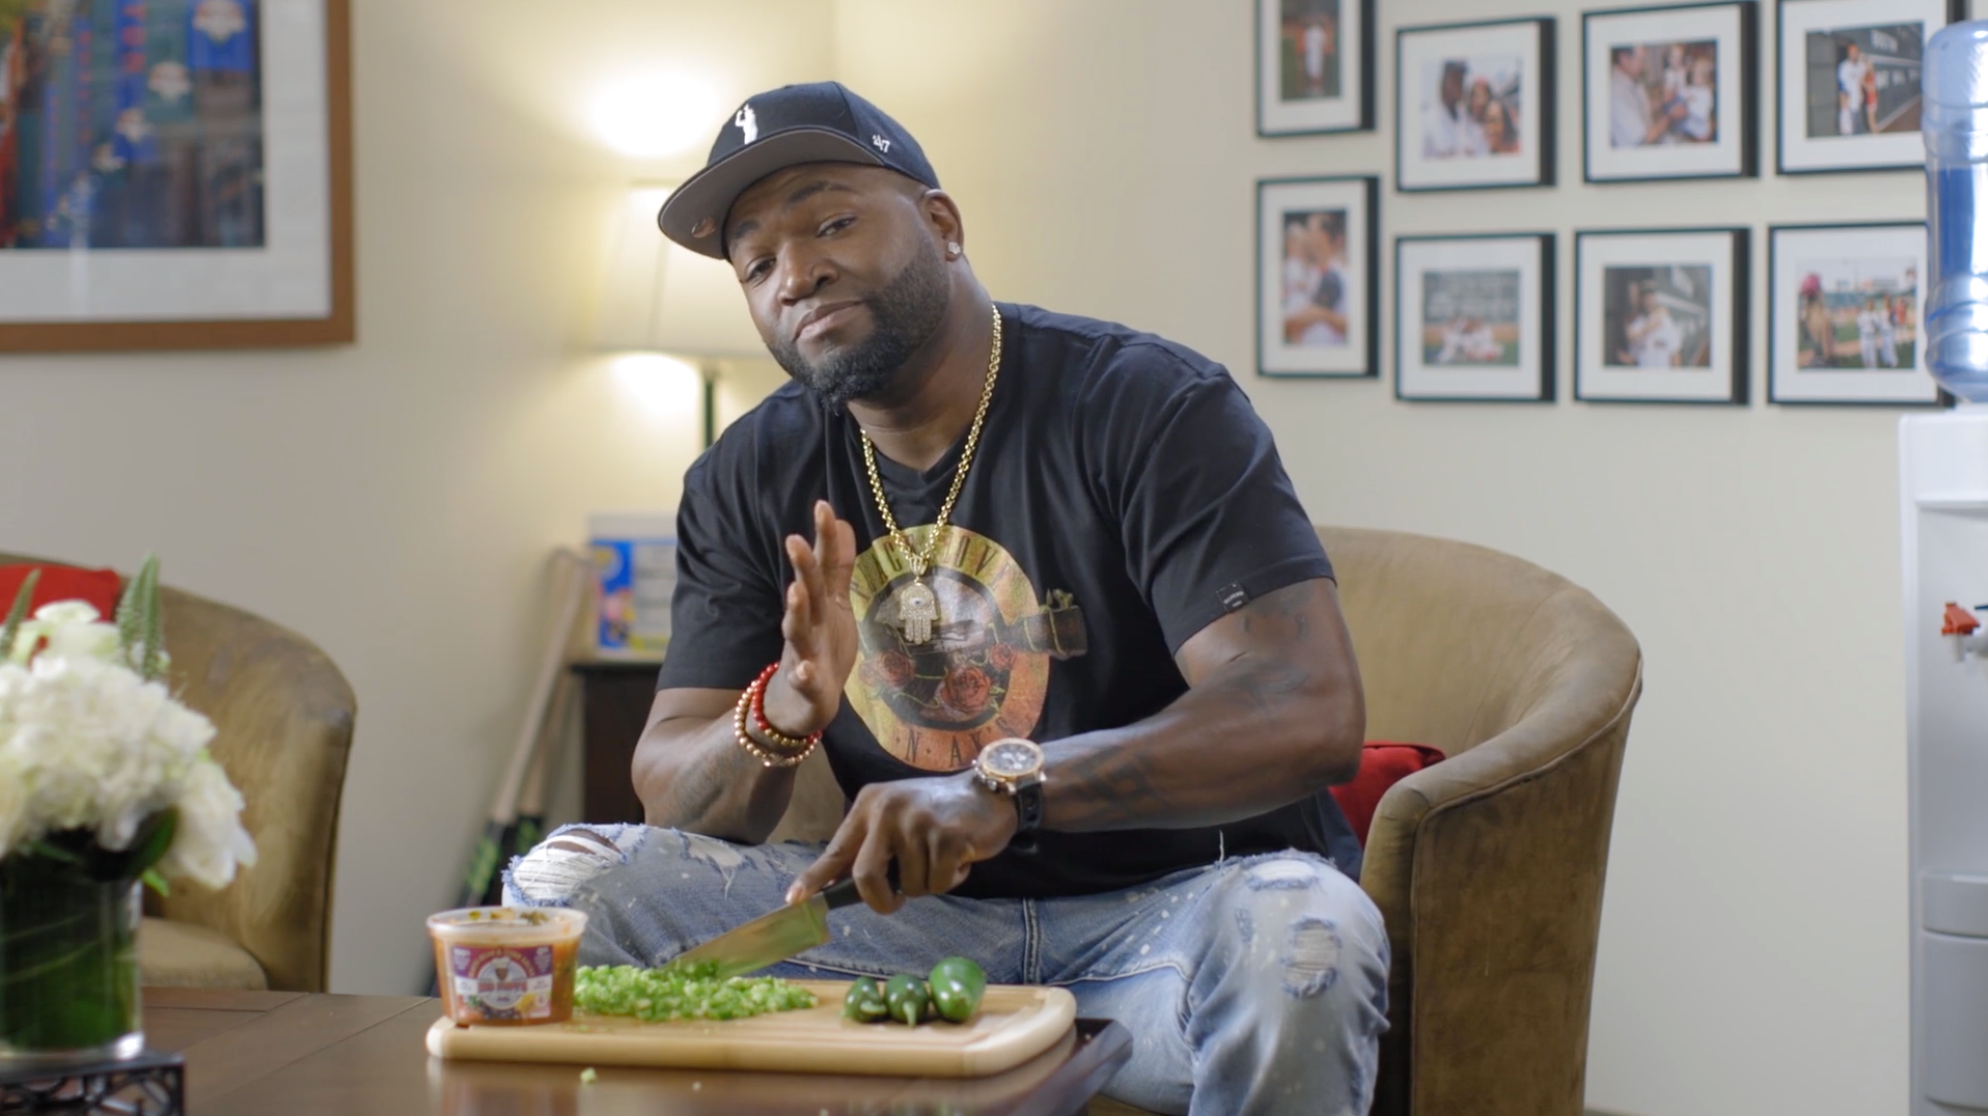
(821, 122)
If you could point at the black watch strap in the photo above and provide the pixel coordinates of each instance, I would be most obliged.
(1028, 807)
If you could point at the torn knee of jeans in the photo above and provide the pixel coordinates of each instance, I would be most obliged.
(1312, 965)
(722, 857)
(1281, 874)
(570, 857)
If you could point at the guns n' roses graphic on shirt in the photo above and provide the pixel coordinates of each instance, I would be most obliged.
(984, 673)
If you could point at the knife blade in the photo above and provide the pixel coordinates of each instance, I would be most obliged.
(774, 937)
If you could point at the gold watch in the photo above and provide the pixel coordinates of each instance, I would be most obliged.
(1013, 766)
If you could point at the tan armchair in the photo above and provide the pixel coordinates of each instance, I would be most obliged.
(1488, 866)
(284, 718)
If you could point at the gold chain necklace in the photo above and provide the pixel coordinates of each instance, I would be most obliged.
(917, 605)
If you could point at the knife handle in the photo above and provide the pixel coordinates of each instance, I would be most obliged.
(844, 894)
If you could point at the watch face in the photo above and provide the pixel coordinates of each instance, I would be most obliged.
(1011, 759)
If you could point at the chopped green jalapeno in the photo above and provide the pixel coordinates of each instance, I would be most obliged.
(686, 992)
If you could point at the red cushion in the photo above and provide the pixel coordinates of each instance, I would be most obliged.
(61, 583)
(1382, 764)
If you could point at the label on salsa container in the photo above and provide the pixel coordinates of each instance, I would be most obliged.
(503, 982)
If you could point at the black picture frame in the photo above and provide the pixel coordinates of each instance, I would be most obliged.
(1369, 195)
(1747, 56)
(1951, 11)
(1362, 116)
(1741, 269)
(1547, 245)
(1545, 147)
(1774, 396)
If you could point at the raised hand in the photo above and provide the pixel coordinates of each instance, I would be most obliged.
(819, 627)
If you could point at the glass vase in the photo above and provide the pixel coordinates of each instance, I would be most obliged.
(68, 964)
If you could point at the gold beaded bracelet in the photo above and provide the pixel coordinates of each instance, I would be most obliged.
(766, 756)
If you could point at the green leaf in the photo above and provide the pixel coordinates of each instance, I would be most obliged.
(156, 882)
(18, 613)
(148, 846)
(130, 625)
(52, 851)
(149, 662)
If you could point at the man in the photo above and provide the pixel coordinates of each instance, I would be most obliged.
(1850, 80)
(1867, 333)
(1472, 138)
(1887, 333)
(1654, 339)
(1314, 303)
(1317, 38)
(1630, 121)
(967, 522)
(1443, 120)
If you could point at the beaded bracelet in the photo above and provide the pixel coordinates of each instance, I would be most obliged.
(790, 751)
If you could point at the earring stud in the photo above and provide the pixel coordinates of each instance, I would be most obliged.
(952, 247)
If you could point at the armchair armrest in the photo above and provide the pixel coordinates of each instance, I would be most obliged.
(1488, 869)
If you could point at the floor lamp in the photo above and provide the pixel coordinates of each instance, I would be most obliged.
(661, 298)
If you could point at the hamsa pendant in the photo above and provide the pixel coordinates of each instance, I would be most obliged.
(917, 611)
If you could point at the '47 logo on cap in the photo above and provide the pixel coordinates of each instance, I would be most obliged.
(748, 123)
(881, 143)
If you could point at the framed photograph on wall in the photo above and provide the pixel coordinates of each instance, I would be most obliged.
(1670, 92)
(1845, 312)
(1314, 66)
(1474, 317)
(1474, 105)
(1316, 262)
(175, 174)
(1660, 315)
(1847, 83)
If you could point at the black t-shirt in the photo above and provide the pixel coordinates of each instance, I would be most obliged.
(1124, 495)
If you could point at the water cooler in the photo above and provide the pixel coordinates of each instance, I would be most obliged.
(1943, 476)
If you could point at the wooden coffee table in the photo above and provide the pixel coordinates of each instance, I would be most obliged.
(249, 1053)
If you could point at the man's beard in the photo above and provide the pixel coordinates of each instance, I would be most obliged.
(907, 313)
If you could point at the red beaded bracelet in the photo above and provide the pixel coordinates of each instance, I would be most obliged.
(787, 750)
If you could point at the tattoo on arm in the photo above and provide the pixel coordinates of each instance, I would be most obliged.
(1255, 679)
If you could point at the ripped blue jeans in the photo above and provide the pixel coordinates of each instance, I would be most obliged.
(1253, 986)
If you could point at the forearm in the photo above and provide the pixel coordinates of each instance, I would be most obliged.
(1272, 716)
(1280, 737)
(691, 774)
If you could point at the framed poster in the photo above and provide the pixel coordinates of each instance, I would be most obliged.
(1474, 105)
(1670, 93)
(1314, 66)
(1660, 315)
(1316, 262)
(1845, 313)
(1847, 78)
(1474, 317)
(175, 174)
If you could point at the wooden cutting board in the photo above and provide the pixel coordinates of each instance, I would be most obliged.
(1014, 1024)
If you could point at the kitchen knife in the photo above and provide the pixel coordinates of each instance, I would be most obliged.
(771, 938)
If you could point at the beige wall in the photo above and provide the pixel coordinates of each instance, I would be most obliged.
(1753, 954)
(395, 499)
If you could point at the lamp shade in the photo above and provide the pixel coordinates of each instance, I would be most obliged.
(658, 297)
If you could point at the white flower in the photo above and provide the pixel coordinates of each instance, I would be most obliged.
(211, 840)
(67, 612)
(93, 641)
(71, 628)
(86, 744)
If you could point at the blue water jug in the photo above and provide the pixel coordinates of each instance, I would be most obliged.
(1956, 128)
